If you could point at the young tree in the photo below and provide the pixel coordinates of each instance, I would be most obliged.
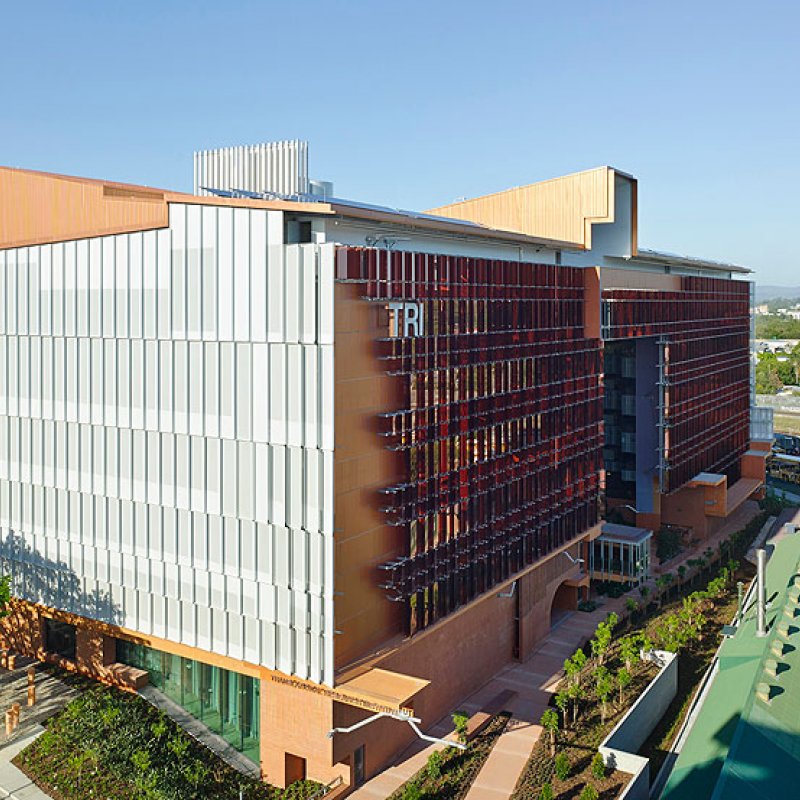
(629, 651)
(549, 722)
(571, 673)
(576, 694)
(681, 574)
(644, 591)
(603, 687)
(562, 703)
(579, 660)
(631, 606)
(573, 668)
(662, 582)
(546, 792)
(602, 641)
(623, 681)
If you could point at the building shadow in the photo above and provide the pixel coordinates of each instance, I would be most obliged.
(43, 581)
(759, 759)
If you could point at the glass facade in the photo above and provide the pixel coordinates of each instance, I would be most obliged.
(60, 638)
(224, 701)
(617, 559)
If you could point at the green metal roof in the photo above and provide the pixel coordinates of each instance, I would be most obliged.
(745, 741)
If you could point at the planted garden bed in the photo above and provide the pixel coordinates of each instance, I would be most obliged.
(688, 623)
(692, 665)
(450, 772)
(578, 744)
(114, 745)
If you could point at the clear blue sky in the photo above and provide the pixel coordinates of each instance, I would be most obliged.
(414, 104)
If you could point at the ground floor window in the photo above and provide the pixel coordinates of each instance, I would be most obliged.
(59, 638)
(226, 702)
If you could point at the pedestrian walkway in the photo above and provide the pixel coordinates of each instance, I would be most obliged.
(534, 680)
(14, 783)
(52, 694)
(202, 733)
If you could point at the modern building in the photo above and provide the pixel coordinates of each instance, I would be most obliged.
(298, 461)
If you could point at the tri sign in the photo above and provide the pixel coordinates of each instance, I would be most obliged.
(406, 319)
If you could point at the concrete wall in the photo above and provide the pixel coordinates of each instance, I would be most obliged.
(619, 748)
(458, 655)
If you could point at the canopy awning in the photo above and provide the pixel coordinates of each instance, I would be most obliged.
(381, 687)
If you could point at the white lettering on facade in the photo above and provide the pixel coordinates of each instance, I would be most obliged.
(406, 319)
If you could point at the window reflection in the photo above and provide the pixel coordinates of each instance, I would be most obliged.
(224, 701)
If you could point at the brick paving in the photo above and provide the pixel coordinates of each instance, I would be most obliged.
(52, 694)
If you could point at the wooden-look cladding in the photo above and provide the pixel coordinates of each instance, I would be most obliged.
(43, 208)
(37, 207)
(562, 208)
(362, 466)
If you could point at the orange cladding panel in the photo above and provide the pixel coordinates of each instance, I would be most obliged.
(37, 208)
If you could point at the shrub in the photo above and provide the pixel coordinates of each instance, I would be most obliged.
(107, 743)
(598, 768)
(460, 723)
(434, 768)
(159, 728)
(413, 791)
(547, 792)
(588, 793)
(562, 766)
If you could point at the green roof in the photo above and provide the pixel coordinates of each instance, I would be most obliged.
(745, 741)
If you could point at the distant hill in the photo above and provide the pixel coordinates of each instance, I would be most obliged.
(765, 292)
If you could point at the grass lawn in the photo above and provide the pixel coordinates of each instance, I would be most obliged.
(113, 745)
(456, 770)
(787, 423)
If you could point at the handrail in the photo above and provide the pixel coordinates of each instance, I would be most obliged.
(334, 784)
